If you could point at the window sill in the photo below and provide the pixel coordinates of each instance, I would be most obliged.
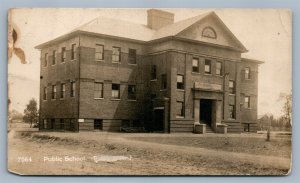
(231, 119)
(73, 60)
(180, 90)
(53, 64)
(153, 80)
(98, 98)
(220, 76)
(63, 62)
(116, 62)
(98, 60)
(132, 64)
(115, 99)
(231, 94)
(180, 117)
(198, 73)
(131, 100)
(207, 74)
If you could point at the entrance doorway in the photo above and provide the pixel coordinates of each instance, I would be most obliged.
(158, 121)
(206, 111)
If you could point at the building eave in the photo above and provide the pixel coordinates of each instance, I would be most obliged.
(252, 60)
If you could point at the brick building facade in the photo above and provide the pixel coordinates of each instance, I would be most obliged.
(163, 76)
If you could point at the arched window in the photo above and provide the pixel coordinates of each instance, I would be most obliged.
(209, 32)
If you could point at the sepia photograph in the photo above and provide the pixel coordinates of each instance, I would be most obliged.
(149, 92)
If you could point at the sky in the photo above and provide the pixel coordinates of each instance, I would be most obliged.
(266, 33)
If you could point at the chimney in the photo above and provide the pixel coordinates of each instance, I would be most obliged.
(158, 18)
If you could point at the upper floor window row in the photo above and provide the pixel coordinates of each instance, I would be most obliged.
(207, 66)
(116, 54)
(63, 55)
(62, 91)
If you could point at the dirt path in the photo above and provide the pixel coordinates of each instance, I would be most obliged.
(147, 158)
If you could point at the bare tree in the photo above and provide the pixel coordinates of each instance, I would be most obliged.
(287, 107)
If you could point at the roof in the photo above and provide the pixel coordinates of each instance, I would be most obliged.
(252, 60)
(137, 32)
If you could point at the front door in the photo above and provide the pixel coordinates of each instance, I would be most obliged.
(158, 122)
(206, 111)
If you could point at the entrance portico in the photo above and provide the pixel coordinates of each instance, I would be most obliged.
(208, 101)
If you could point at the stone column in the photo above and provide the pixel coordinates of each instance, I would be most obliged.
(196, 110)
(218, 111)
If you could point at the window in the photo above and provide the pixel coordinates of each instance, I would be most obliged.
(231, 112)
(195, 65)
(98, 124)
(52, 123)
(207, 67)
(53, 92)
(219, 68)
(153, 72)
(131, 92)
(63, 54)
(98, 90)
(180, 83)
(45, 93)
(54, 57)
(116, 54)
(99, 52)
(73, 51)
(115, 91)
(62, 124)
(163, 81)
(46, 60)
(231, 87)
(132, 56)
(45, 124)
(247, 102)
(247, 73)
(180, 109)
(62, 90)
(73, 86)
